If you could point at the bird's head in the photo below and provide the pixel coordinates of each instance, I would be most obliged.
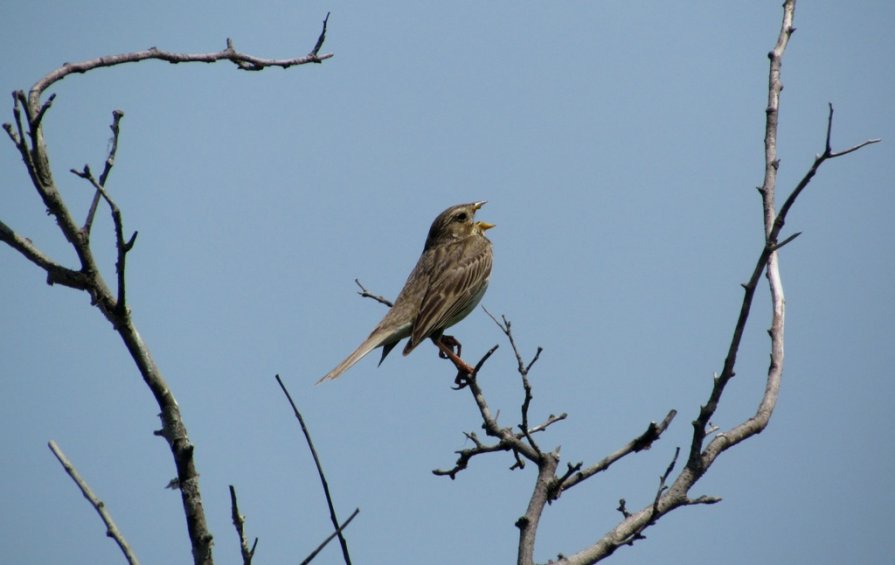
(457, 222)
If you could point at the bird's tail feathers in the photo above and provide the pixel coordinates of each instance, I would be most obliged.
(367, 346)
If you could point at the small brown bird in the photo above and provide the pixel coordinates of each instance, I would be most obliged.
(447, 283)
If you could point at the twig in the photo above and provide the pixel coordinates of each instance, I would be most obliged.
(320, 39)
(329, 538)
(107, 168)
(523, 369)
(122, 247)
(239, 524)
(329, 500)
(642, 442)
(100, 507)
(364, 293)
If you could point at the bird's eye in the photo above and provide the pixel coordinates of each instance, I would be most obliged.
(461, 217)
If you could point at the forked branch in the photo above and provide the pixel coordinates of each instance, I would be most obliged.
(26, 133)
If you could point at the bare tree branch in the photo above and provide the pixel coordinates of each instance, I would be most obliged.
(644, 441)
(100, 507)
(321, 38)
(28, 137)
(239, 524)
(668, 497)
(122, 246)
(107, 168)
(699, 459)
(329, 500)
(330, 537)
(241, 60)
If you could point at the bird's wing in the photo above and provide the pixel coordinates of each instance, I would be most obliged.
(453, 291)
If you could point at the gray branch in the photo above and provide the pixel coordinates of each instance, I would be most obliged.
(28, 137)
(98, 505)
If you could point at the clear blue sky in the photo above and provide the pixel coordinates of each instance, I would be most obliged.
(619, 147)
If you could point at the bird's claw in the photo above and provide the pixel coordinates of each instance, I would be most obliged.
(462, 379)
(446, 345)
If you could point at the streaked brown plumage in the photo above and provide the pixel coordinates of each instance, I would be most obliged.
(447, 283)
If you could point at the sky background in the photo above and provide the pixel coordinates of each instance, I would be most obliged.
(618, 145)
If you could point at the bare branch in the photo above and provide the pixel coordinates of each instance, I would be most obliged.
(121, 245)
(241, 60)
(107, 168)
(644, 441)
(528, 523)
(330, 537)
(56, 273)
(320, 39)
(523, 370)
(767, 258)
(98, 505)
(239, 524)
(28, 137)
(329, 500)
(366, 294)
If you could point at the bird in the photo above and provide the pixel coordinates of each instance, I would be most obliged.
(447, 283)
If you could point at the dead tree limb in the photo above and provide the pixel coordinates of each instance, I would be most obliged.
(27, 134)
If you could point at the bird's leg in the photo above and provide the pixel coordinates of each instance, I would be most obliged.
(446, 351)
(452, 343)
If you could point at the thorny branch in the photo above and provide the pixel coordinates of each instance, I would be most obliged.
(27, 135)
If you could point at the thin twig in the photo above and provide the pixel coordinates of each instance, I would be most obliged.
(122, 247)
(329, 500)
(523, 369)
(364, 293)
(107, 168)
(100, 507)
(321, 38)
(329, 538)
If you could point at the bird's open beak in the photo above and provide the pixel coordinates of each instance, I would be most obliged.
(484, 226)
(479, 204)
